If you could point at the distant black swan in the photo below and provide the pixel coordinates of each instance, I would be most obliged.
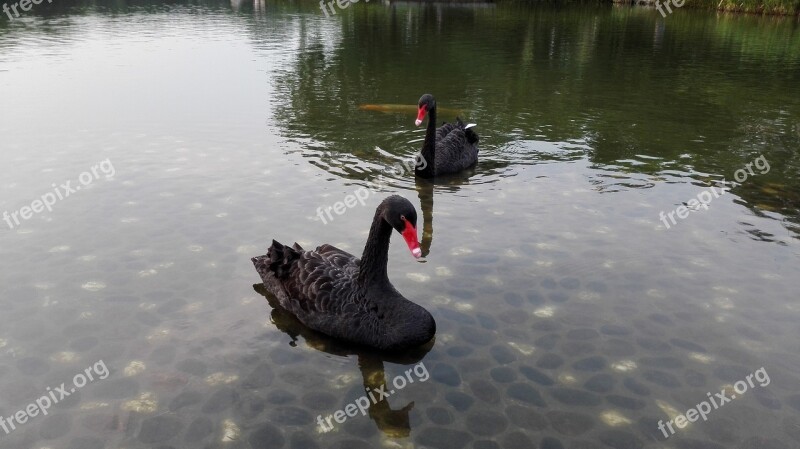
(331, 291)
(449, 149)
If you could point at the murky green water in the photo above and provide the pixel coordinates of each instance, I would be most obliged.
(568, 315)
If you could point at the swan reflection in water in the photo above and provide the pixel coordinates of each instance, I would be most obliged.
(425, 189)
(394, 423)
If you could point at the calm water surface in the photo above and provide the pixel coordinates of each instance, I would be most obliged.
(569, 315)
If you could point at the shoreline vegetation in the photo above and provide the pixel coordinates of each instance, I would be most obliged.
(762, 7)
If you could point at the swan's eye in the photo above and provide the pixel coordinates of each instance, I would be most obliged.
(403, 217)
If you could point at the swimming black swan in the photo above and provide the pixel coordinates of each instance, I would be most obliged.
(333, 292)
(449, 149)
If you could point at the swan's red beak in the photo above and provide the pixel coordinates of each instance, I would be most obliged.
(410, 236)
(421, 114)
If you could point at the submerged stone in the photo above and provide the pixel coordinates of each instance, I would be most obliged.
(525, 393)
(594, 363)
(460, 401)
(486, 423)
(503, 374)
(536, 375)
(550, 361)
(635, 386)
(570, 423)
(439, 415)
(445, 374)
(619, 439)
(443, 438)
(600, 383)
(661, 378)
(267, 435)
(485, 391)
(526, 417)
(502, 354)
(571, 396)
(625, 402)
(159, 429)
(516, 440)
(551, 443)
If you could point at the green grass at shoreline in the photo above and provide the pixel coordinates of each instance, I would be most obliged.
(780, 7)
(765, 7)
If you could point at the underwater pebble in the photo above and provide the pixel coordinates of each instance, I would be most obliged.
(618, 439)
(523, 348)
(443, 438)
(185, 399)
(502, 354)
(550, 361)
(439, 415)
(600, 383)
(525, 393)
(445, 374)
(582, 334)
(221, 378)
(460, 401)
(289, 415)
(93, 286)
(93, 405)
(515, 440)
(485, 391)
(526, 417)
(570, 423)
(443, 272)
(145, 403)
(614, 418)
(485, 444)
(536, 375)
(625, 402)
(134, 367)
(624, 366)
(662, 378)
(418, 277)
(221, 400)
(199, 429)
(267, 436)
(486, 423)
(64, 357)
(573, 397)
(503, 374)
(159, 429)
(593, 363)
(702, 358)
(550, 443)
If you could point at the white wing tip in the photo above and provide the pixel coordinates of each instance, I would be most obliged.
(470, 125)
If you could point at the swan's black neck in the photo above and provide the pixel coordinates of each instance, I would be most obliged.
(429, 147)
(372, 268)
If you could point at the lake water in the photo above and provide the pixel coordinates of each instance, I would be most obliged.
(570, 315)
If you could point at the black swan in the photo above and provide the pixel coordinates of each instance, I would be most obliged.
(333, 292)
(449, 149)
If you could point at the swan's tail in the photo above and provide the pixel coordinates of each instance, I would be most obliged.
(472, 136)
(278, 260)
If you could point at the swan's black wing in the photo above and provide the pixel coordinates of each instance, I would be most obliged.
(309, 282)
(456, 148)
